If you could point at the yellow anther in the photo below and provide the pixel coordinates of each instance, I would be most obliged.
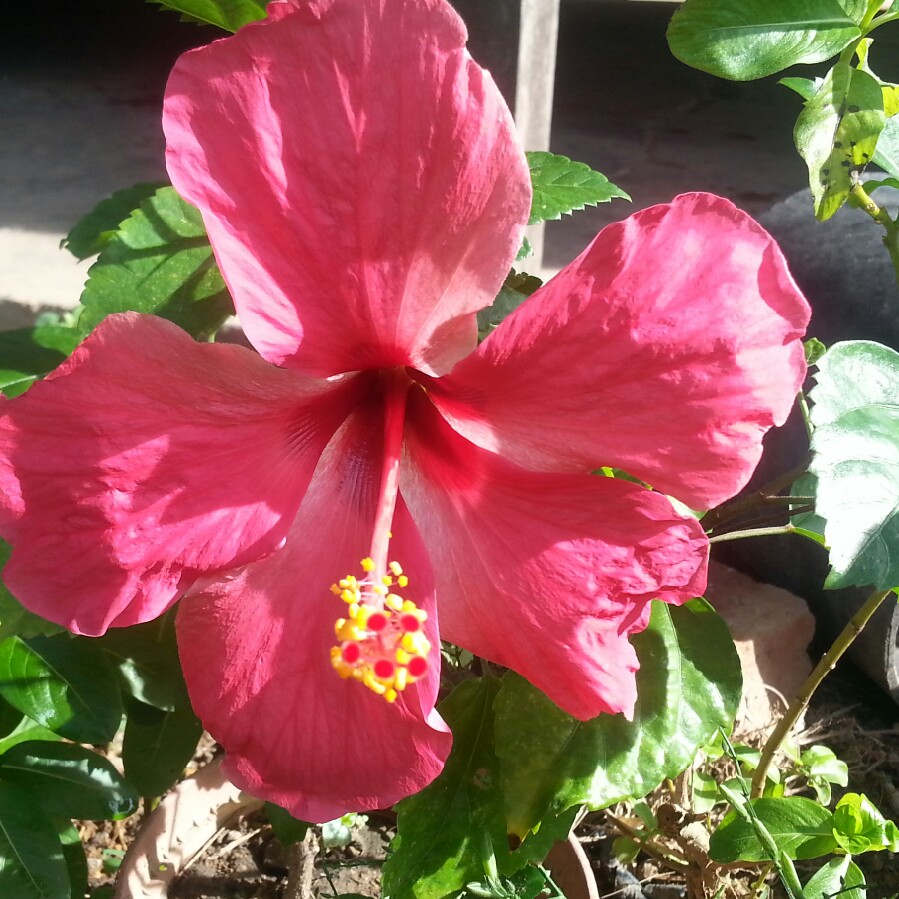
(348, 630)
(381, 643)
(368, 565)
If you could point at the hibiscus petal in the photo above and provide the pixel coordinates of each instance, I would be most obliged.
(359, 179)
(546, 573)
(146, 459)
(255, 652)
(667, 349)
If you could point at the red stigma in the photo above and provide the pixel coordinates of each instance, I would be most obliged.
(376, 622)
(383, 668)
(417, 666)
(351, 653)
(410, 623)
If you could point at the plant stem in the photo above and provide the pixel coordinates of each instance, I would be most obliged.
(828, 661)
(670, 857)
(753, 532)
(760, 497)
(891, 239)
(301, 868)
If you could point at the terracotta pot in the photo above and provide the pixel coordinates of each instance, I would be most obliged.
(177, 830)
(571, 870)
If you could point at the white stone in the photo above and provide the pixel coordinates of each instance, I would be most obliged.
(772, 629)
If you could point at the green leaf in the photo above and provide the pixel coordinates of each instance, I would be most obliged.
(688, 686)
(69, 781)
(890, 91)
(887, 153)
(705, 792)
(800, 827)
(159, 262)
(814, 350)
(26, 731)
(448, 831)
(158, 745)
(808, 524)
(27, 354)
(76, 860)
(836, 134)
(64, 684)
(147, 658)
(517, 287)
(840, 878)
(562, 186)
(287, 829)
(227, 14)
(525, 250)
(15, 619)
(805, 87)
(32, 865)
(746, 39)
(872, 185)
(855, 444)
(93, 232)
(859, 827)
(819, 761)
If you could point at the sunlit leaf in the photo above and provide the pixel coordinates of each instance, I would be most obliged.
(446, 832)
(747, 39)
(688, 686)
(855, 444)
(62, 683)
(562, 186)
(159, 262)
(840, 878)
(836, 134)
(800, 827)
(227, 14)
(93, 232)
(859, 827)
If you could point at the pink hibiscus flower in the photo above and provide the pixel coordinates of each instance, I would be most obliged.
(365, 196)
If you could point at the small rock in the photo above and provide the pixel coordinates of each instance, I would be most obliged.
(772, 629)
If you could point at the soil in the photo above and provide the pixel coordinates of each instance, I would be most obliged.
(246, 860)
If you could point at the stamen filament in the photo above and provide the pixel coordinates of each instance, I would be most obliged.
(396, 390)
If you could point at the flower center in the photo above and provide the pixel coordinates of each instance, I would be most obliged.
(381, 642)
